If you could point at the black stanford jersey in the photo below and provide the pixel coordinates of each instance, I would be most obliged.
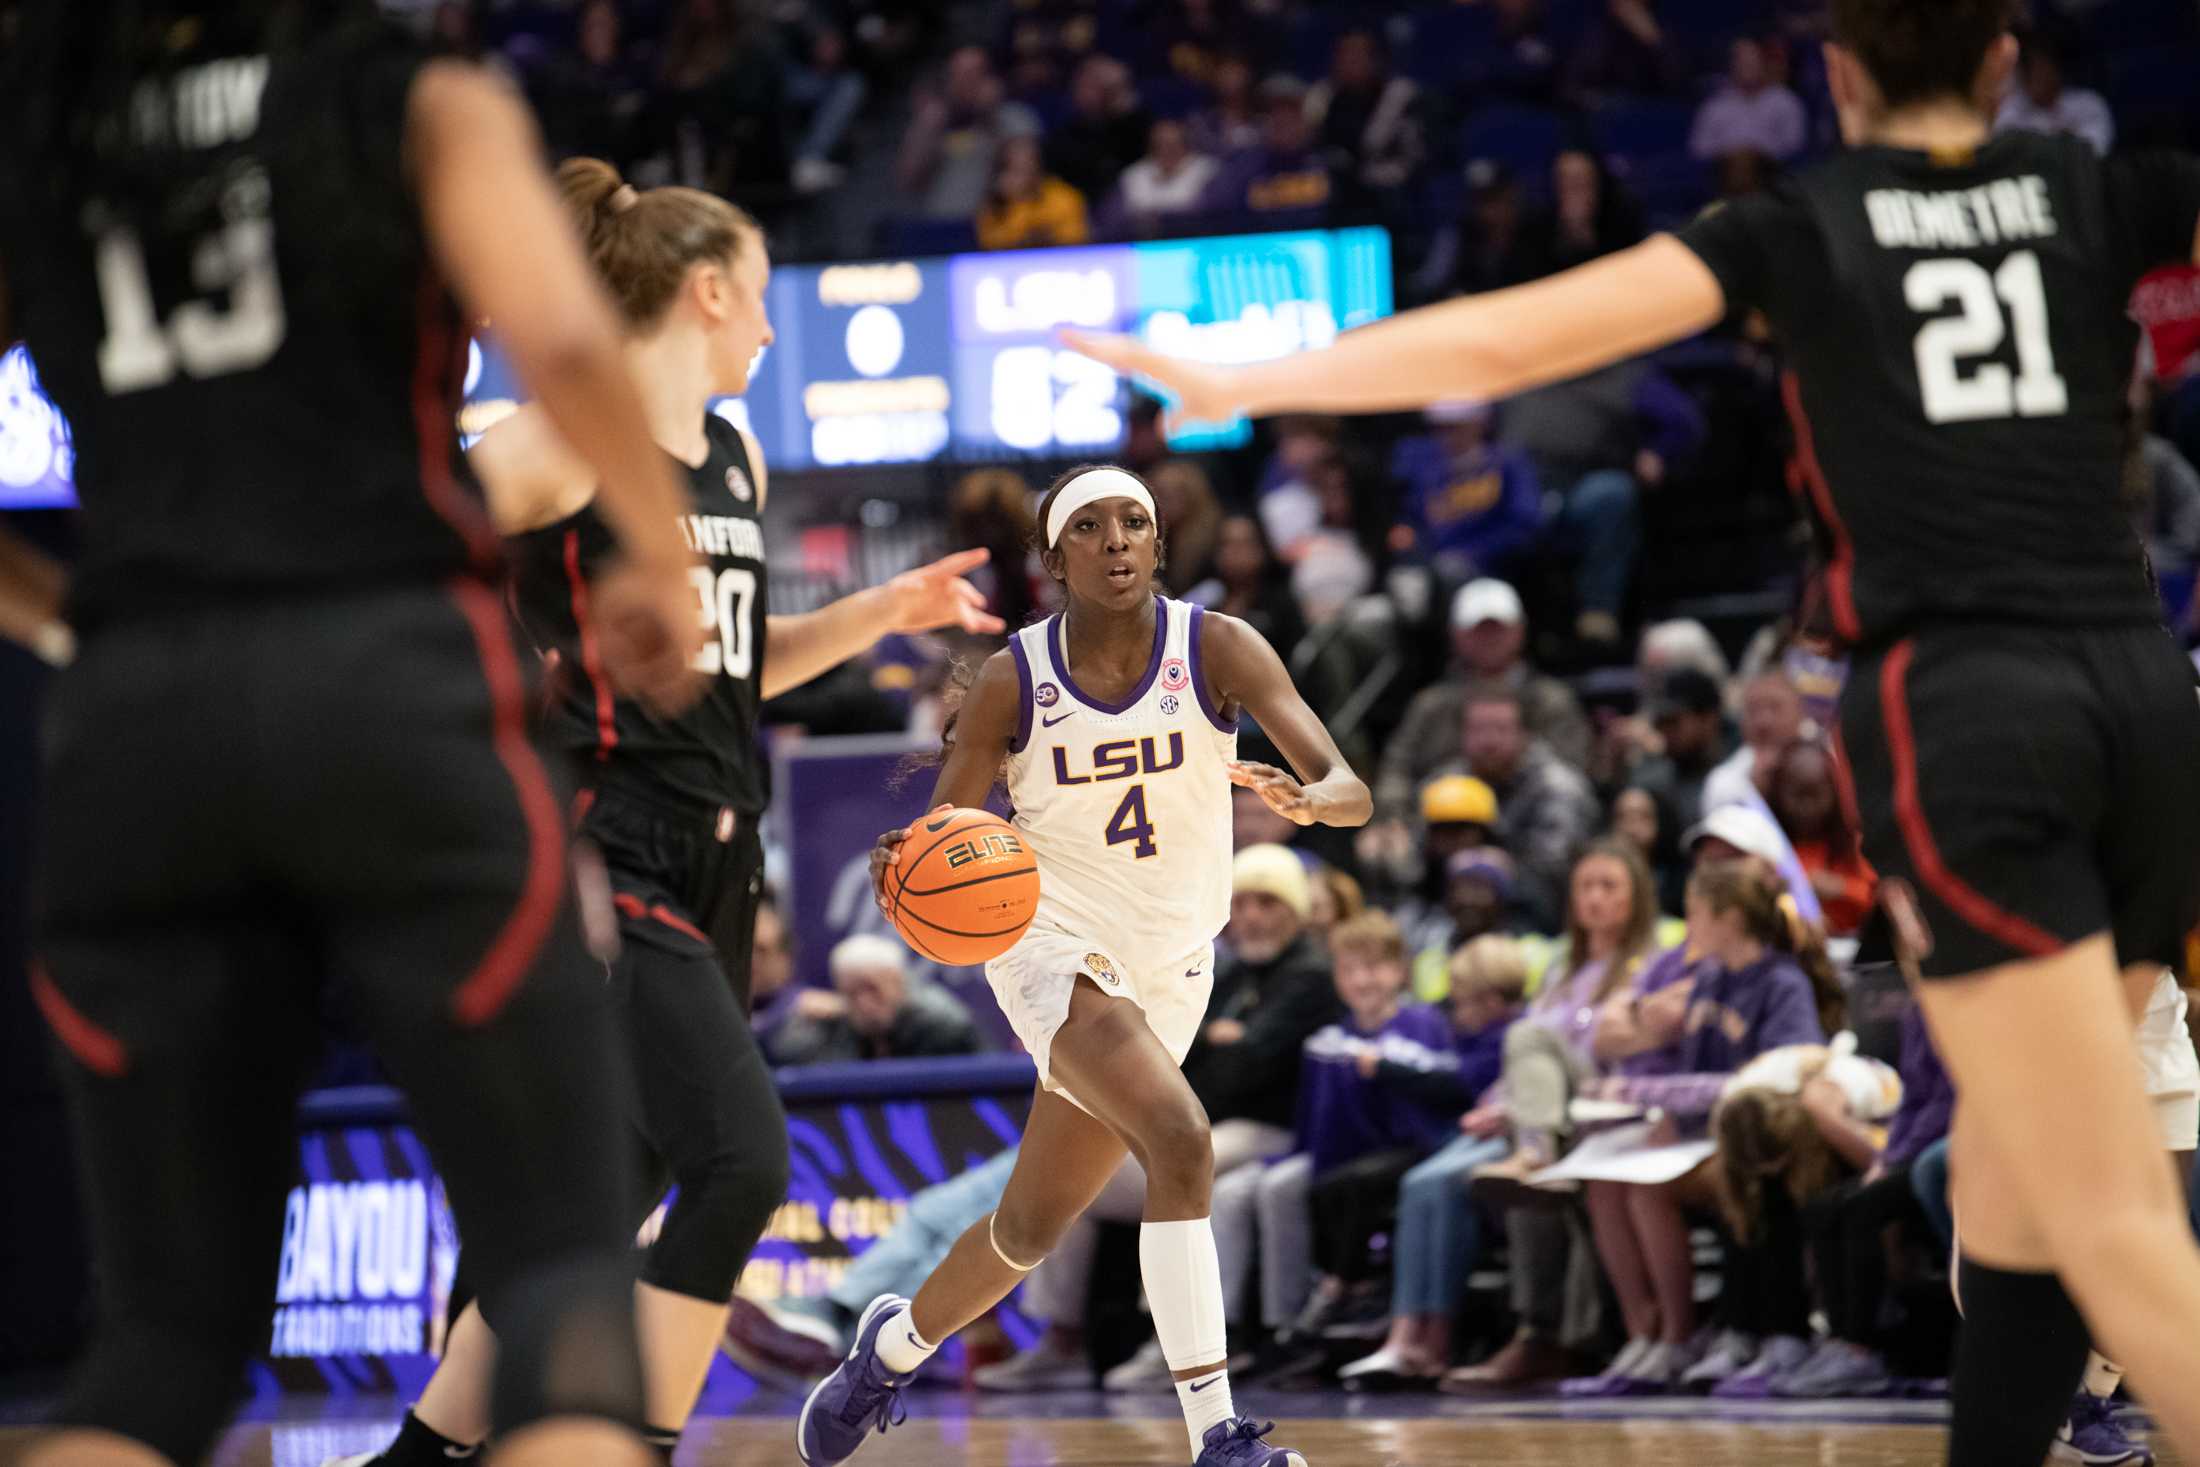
(217, 263)
(708, 754)
(1959, 348)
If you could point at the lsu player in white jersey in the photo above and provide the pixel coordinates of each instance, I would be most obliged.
(1114, 725)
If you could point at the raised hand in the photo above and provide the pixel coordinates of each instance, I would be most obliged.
(936, 595)
(1201, 393)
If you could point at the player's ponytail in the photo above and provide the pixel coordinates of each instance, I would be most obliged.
(642, 241)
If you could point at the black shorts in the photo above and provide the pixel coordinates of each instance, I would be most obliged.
(2032, 786)
(253, 810)
(685, 882)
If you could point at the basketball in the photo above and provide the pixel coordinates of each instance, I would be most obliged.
(963, 888)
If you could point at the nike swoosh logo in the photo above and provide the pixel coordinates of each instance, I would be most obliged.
(1050, 722)
(1200, 1385)
(1191, 972)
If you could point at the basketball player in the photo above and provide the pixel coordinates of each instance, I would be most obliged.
(2023, 737)
(292, 751)
(1114, 723)
(672, 803)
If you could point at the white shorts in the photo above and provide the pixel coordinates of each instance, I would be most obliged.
(2172, 1071)
(1032, 983)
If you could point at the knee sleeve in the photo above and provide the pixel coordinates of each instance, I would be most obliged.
(566, 1346)
(724, 1206)
(171, 1388)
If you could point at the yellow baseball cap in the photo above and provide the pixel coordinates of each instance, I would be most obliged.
(1458, 799)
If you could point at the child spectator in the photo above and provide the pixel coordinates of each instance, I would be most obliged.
(1437, 1238)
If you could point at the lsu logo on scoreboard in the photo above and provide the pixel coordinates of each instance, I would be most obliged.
(978, 847)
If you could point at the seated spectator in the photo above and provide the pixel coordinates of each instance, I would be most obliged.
(1285, 179)
(1333, 897)
(1600, 442)
(1545, 808)
(1610, 926)
(1192, 38)
(1807, 803)
(1365, 1117)
(1105, 132)
(588, 101)
(1232, 124)
(1478, 889)
(1185, 497)
(1762, 986)
(1773, 717)
(1627, 53)
(1520, 64)
(1250, 584)
(874, 1012)
(990, 509)
(1475, 509)
(720, 113)
(826, 91)
(1646, 822)
(1437, 1239)
(1170, 179)
(1494, 242)
(1272, 990)
(1689, 717)
(947, 161)
(2040, 102)
(1366, 118)
(2166, 507)
(771, 965)
(1457, 812)
(1751, 113)
(1591, 215)
(1028, 207)
(1489, 638)
(1290, 496)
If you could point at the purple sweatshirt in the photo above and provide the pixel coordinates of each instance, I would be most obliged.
(1928, 1096)
(1342, 1116)
(1732, 1018)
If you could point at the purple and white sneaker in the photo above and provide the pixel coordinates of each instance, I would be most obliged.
(1775, 1358)
(2094, 1437)
(1237, 1443)
(858, 1398)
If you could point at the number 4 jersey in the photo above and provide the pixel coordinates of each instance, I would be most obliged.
(708, 754)
(1126, 805)
(1959, 347)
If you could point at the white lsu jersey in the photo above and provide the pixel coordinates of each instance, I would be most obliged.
(1126, 805)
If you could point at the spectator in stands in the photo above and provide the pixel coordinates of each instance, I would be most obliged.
(1359, 1128)
(588, 100)
(1690, 719)
(1232, 124)
(1599, 442)
(2040, 102)
(948, 155)
(1366, 118)
(1642, 819)
(1751, 112)
(1762, 987)
(1477, 901)
(1496, 241)
(1628, 52)
(1743, 172)
(1290, 494)
(1806, 801)
(879, 1013)
(1520, 64)
(1250, 584)
(1489, 639)
(1438, 1237)
(1545, 808)
(990, 509)
(826, 91)
(720, 113)
(2165, 499)
(1285, 180)
(1590, 216)
(1027, 206)
(1475, 509)
(1457, 812)
(1772, 718)
(1334, 896)
(1105, 132)
(771, 956)
(1185, 496)
(1272, 990)
(1170, 179)
(1192, 37)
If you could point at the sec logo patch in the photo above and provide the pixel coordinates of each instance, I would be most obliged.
(1175, 676)
(1168, 703)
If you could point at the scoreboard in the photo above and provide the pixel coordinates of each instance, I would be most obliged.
(905, 361)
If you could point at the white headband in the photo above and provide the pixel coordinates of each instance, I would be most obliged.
(1084, 489)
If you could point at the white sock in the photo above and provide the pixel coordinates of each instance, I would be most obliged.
(900, 1348)
(1184, 1291)
(2102, 1376)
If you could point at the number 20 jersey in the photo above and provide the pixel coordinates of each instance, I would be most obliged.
(1126, 805)
(1959, 346)
(706, 755)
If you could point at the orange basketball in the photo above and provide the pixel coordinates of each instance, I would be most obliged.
(963, 887)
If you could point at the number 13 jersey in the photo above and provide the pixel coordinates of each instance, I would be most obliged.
(1959, 346)
(1126, 805)
(708, 754)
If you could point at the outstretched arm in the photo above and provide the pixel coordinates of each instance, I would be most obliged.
(1477, 347)
(798, 648)
(1244, 671)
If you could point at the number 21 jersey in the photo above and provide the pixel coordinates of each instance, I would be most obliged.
(1959, 349)
(1126, 805)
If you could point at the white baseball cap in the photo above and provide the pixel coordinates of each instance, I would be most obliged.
(1488, 599)
(1747, 829)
